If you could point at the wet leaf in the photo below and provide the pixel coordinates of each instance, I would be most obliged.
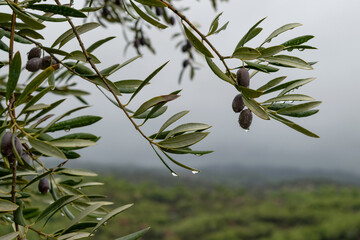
(152, 102)
(7, 206)
(197, 43)
(187, 127)
(14, 74)
(253, 32)
(255, 108)
(271, 83)
(183, 140)
(289, 61)
(299, 107)
(290, 97)
(58, 9)
(147, 18)
(246, 53)
(281, 30)
(46, 148)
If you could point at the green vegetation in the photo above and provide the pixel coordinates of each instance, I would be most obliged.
(216, 212)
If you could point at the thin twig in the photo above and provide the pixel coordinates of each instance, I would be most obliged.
(203, 37)
(93, 66)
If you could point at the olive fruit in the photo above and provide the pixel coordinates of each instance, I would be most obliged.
(186, 47)
(185, 63)
(34, 53)
(172, 20)
(34, 64)
(105, 12)
(137, 43)
(245, 119)
(46, 62)
(238, 103)
(26, 157)
(117, 2)
(243, 77)
(159, 11)
(44, 186)
(7, 147)
(142, 41)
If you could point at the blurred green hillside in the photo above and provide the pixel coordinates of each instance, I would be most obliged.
(300, 210)
(189, 208)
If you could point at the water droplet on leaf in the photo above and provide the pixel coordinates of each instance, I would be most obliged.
(99, 218)
(174, 174)
(195, 172)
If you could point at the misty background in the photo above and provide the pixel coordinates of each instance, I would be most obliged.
(268, 143)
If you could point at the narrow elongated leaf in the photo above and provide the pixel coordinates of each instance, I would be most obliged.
(58, 9)
(79, 55)
(45, 17)
(301, 114)
(56, 51)
(97, 44)
(35, 83)
(270, 51)
(80, 30)
(4, 47)
(76, 172)
(187, 127)
(147, 18)
(260, 67)
(197, 43)
(183, 140)
(83, 214)
(290, 97)
(218, 72)
(37, 178)
(128, 86)
(299, 107)
(57, 205)
(172, 119)
(251, 93)
(281, 30)
(297, 40)
(193, 170)
(289, 61)
(246, 53)
(7, 206)
(300, 48)
(255, 108)
(110, 215)
(134, 236)
(14, 73)
(5, 17)
(37, 107)
(152, 102)
(73, 143)
(187, 150)
(271, 83)
(74, 235)
(296, 84)
(153, 113)
(293, 125)
(10, 236)
(36, 98)
(214, 24)
(147, 80)
(76, 122)
(155, 3)
(250, 34)
(46, 148)
(28, 20)
(30, 33)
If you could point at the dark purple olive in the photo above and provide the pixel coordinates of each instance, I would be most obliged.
(105, 12)
(44, 186)
(6, 145)
(34, 53)
(117, 2)
(137, 43)
(47, 61)
(26, 157)
(159, 11)
(243, 77)
(245, 119)
(238, 103)
(33, 64)
(142, 41)
(185, 63)
(172, 20)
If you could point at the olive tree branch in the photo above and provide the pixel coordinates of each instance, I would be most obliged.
(203, 37)
(12, 112)
(93, 66)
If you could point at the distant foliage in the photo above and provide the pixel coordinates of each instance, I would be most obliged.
(32, 128)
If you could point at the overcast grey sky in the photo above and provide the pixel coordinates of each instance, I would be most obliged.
(335, 26)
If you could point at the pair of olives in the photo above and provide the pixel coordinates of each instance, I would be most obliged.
(8, 151)
(35, 62)
(238, 105)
